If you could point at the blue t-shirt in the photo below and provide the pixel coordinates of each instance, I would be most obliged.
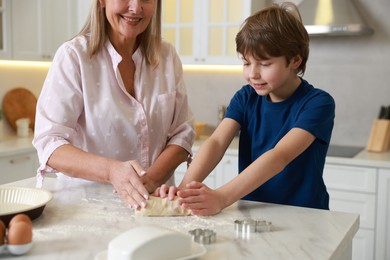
(264, 123)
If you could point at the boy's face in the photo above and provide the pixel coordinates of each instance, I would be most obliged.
(272, 76)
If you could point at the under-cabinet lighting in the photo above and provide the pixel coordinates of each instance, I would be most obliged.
(187, 67)
(18, 63)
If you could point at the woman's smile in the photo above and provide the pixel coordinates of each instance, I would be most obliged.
(132, 20)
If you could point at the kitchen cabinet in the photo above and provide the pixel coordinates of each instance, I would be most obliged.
(40, 26)
(353, 189)
(5, 21)
(34, 29)
(383, 217)
(204, 31)
(364, 190)
(227, 169)
(18, 158)
(18, 166)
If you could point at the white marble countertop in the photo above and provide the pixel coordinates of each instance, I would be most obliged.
(83, 217)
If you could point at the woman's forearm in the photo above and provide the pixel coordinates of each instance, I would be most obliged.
(77, 163)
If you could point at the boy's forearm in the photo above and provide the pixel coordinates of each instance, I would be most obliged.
(204, 162)
(251, 178)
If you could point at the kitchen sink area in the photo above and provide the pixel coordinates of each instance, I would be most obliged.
(344, 151)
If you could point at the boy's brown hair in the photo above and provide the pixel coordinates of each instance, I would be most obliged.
(274, 32)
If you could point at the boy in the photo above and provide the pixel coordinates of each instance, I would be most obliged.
(285, 124)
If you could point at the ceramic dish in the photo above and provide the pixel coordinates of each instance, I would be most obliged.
(16, 200)
(152, 242)
(197, 250)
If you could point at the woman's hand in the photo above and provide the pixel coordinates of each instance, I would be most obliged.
(200, 199)
(165, 190)
(125, 178)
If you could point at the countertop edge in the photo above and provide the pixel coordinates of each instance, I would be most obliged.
(13, 145)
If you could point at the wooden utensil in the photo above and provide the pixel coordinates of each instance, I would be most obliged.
(19, 103)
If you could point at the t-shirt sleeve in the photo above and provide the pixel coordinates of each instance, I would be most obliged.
(236, 108)
(317, 116)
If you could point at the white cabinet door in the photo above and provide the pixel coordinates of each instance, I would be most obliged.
(17, 167)
(180, 171)
(354, 202)
(204, 31)
(350, 178)
(353, 189)
(39, 27)
(5, 29)
(82, 10)
(227, 169)
(363, 245)
(383, 216)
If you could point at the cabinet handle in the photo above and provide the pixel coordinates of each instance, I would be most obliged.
(46, 56)
(20, 159)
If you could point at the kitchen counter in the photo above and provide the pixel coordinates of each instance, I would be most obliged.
(11, 144)
(364, 158)
(84, 216)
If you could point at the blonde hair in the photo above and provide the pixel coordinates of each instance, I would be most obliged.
(275, 31)
(149, 41)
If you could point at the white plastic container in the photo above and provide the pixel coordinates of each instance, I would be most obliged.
(23, 127)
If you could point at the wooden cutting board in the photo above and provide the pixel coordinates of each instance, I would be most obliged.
(19, 103)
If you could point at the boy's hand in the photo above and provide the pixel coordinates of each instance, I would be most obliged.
(165, 191)
(200, 199)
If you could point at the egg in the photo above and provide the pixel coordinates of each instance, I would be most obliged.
(2, 232)
(19, 233)
(20, 218)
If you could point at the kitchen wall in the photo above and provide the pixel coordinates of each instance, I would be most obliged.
(354, 70)
(29, 75)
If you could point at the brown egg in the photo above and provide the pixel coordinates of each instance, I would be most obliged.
(19, 233)
(2, 232)
(18, 218)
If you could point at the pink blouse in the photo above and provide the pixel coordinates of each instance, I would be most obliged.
(84, 102)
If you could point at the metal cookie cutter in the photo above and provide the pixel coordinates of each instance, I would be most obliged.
(203, 236)
(245, 227)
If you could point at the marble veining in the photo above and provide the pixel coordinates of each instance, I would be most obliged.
(83, 217)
